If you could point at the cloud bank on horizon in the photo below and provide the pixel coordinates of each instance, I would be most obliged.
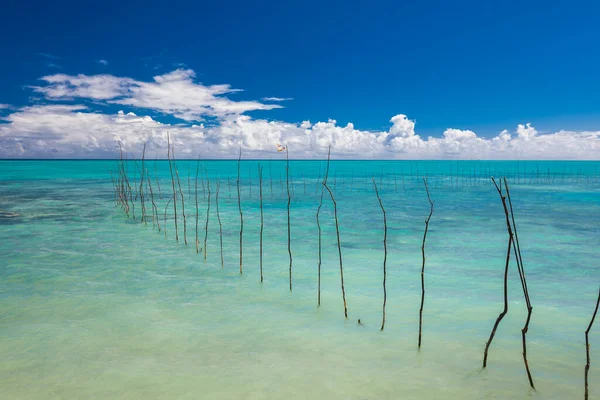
(69, 123)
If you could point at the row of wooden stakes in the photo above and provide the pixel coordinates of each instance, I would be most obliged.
(125, 198)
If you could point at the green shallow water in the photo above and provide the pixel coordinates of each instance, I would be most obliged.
(95, 305)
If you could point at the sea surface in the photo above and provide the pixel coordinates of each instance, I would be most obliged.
(95, 304)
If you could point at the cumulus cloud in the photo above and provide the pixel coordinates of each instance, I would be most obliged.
(76, 131)
(174, 93)
(80, 130)
(526, 131)
(103, 62)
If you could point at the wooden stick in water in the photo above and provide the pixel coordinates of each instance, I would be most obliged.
(240, 209)
(521, 269)
(587, 347)
(260, 168)
(220, 225)
(510, 241)
(197, 210)
(384, 252)
(289, 225)
(174, 191)
(157, 181)
(182, 199)
(337, 230)
(165, 221)
(319, 227)
(207, 216)
(423, 258)
(154, 209)
(141, 189)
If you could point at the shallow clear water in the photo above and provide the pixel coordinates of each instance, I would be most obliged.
(96, 305)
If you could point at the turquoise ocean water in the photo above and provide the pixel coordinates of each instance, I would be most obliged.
(96, 305)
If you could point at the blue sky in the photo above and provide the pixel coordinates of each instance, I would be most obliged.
(467, 65)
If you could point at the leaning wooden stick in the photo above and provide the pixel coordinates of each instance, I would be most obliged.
(220, 225)
(240, 208)
(174, 191)
(289, 226)
(154, 209)
(384, 251)
(587, 346)
(510, 241)
(141, 188)
(197, 211)
(319, 227)
(207, 216)
(337, 230)
(165, 223)
(521, 269)
(157, 181)
(261, 220)
(182, 196)
(423, 258)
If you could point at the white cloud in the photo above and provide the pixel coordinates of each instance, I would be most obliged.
(52, 130)
(174, 93)
(526, 131)
(277, 98)
(76, 131)
(103, 62)
(96, 87)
